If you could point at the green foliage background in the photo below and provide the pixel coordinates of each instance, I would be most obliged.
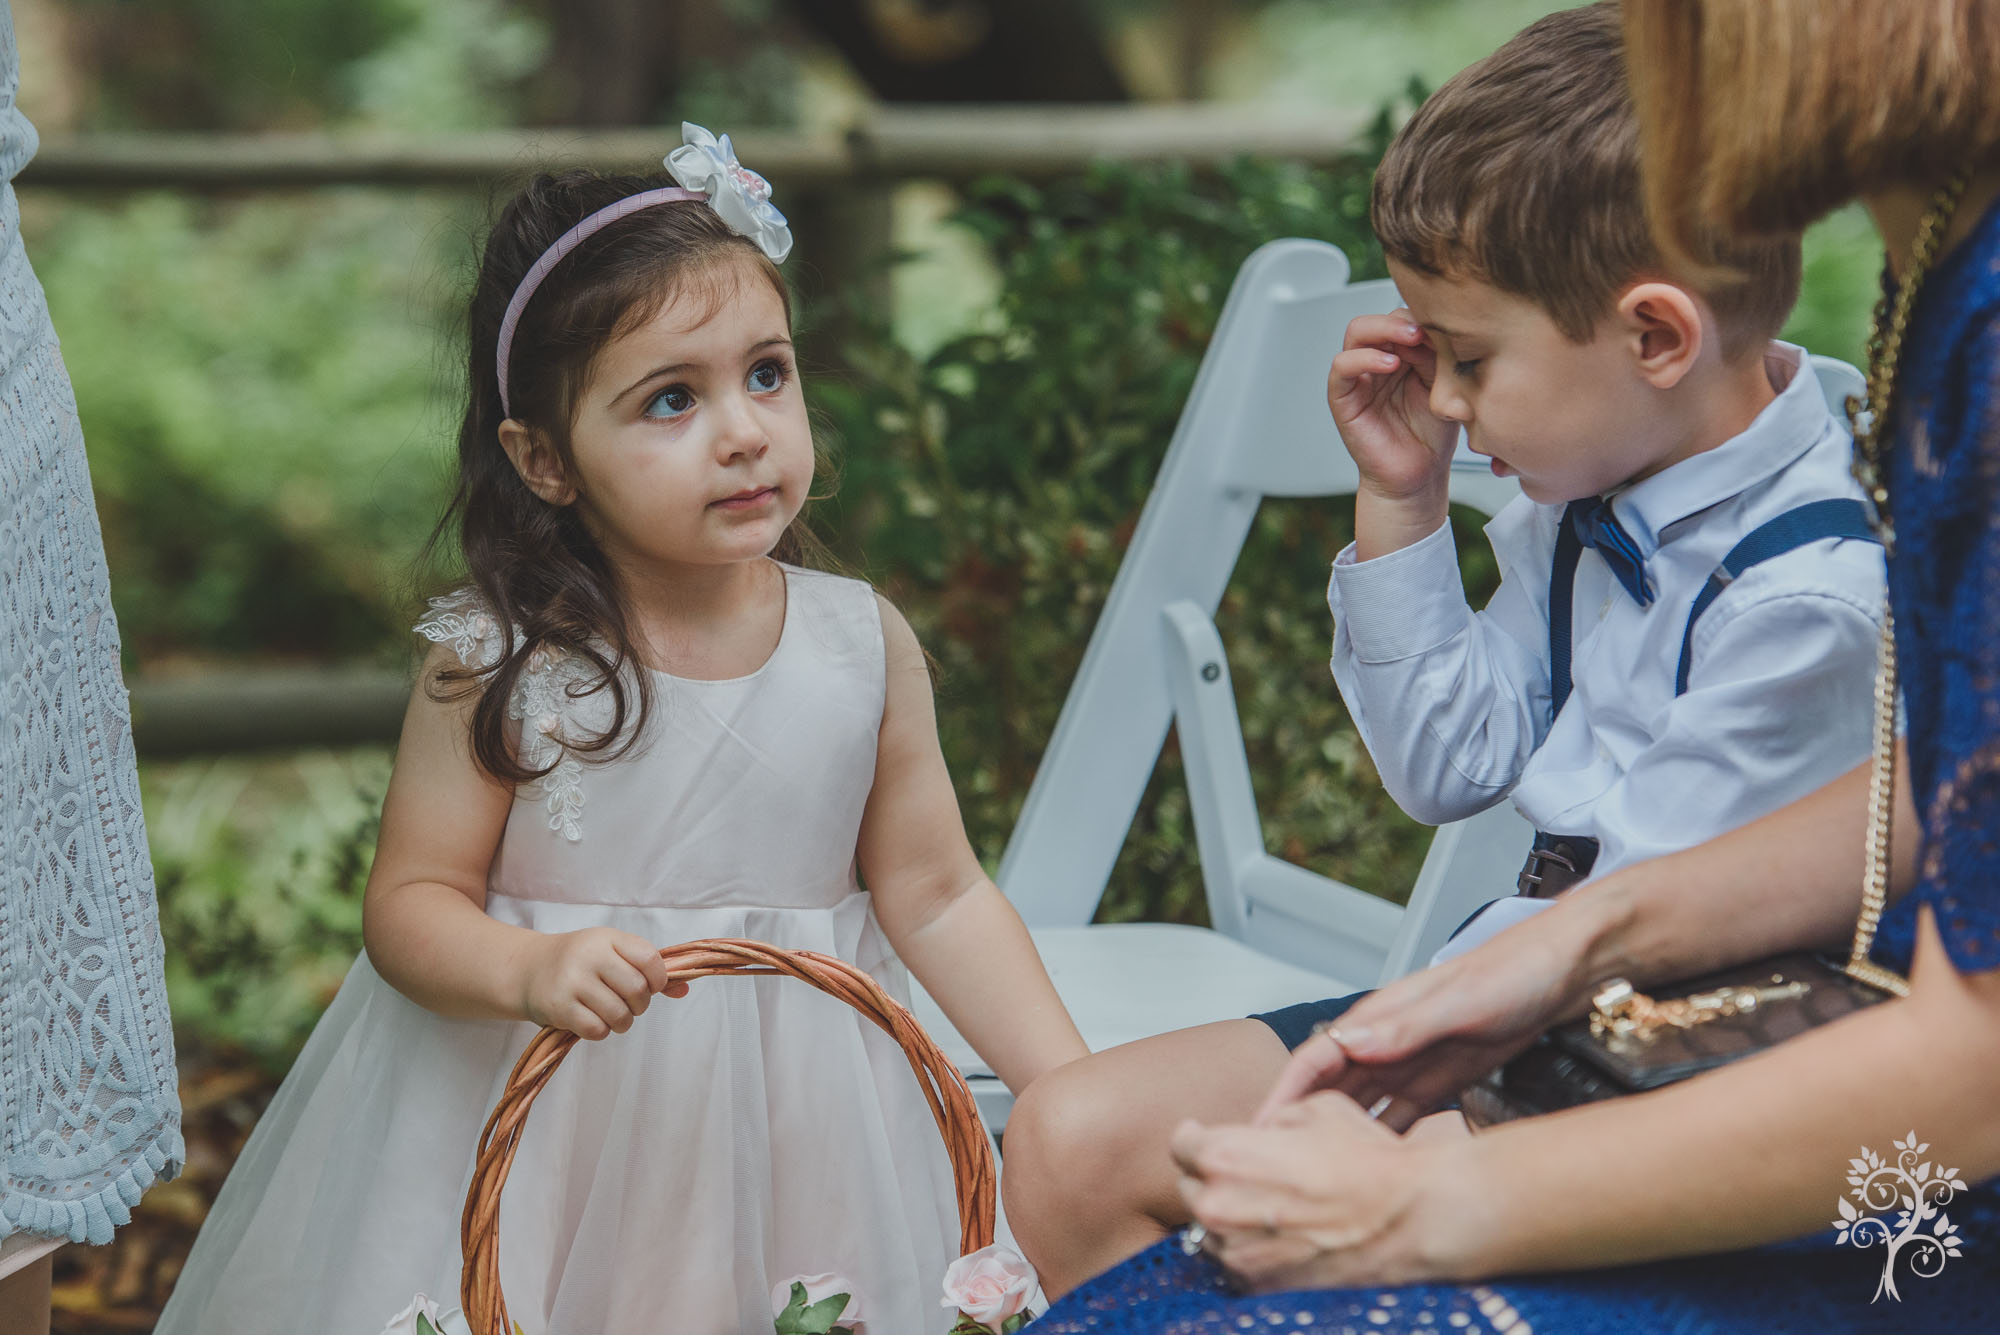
(267, 387)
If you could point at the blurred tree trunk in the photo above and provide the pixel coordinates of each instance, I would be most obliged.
(1198, 23)
(970, 50)
(620, 62)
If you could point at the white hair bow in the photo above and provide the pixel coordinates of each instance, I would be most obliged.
(738, 195)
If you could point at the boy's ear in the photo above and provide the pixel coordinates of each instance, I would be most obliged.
(1664, 326)
(537, 462)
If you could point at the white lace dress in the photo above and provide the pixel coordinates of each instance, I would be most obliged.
(88, 1113)
(669, 1176)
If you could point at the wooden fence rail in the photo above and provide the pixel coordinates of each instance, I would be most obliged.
(947, 144)
(267, 709)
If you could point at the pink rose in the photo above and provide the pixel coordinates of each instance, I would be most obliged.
(819, 1288)
(992, 1286)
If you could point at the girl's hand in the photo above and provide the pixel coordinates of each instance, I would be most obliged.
(1420, 1040)
(1379, 390)
(1319, 1196)
(593, 982)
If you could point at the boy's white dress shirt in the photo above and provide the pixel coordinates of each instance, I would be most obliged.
(1454, 704)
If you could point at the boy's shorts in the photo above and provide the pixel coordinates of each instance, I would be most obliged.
(1294, 1024)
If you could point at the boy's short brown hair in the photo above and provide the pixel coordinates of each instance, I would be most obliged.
(1522, 171)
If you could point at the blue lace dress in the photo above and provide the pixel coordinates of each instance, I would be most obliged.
(89, 1117)
(1944, 582)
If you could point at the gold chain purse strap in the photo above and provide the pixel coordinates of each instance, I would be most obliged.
(1885, 347)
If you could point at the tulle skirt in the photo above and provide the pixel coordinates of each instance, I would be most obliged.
(667, 1178)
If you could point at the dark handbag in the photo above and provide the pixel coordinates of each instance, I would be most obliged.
(1610, 1053)
(1631, 1042)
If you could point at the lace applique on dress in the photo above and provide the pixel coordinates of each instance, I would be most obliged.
(545, 699)
(545, 705)
(462, 621)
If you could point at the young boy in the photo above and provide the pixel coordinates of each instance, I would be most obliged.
(1639, 683)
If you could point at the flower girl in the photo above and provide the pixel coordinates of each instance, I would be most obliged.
(644, 721)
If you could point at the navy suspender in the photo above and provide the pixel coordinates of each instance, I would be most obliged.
(1811, 522)
(1792, 529)
(1562, 593)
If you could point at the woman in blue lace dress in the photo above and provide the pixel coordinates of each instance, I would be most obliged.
(1704, 1206)
(89, 1118)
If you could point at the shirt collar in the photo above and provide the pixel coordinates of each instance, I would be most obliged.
(1789, 425)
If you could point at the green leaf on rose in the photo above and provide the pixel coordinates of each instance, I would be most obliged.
(1015, 1322)
(424, 1326)
(801, 1318)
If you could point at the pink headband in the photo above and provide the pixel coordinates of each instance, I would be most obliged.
(565, 243)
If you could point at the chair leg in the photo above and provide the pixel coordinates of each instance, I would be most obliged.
(1087, 1177)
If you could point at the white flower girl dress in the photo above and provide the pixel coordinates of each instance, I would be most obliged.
(668, 1177)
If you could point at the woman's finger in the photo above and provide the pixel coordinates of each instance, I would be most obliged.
(1185, 1146)
(1317, 1063)
(1228, 1208)
(1260, 1260)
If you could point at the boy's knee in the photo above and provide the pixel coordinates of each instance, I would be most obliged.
(1063, 1129)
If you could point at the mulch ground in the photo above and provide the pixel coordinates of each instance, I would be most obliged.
(120, 1288)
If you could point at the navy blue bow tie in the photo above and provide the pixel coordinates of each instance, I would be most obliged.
(1596, 526)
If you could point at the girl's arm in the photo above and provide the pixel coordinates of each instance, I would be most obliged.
(1753, 1153)
(424, 919)
(945, 917)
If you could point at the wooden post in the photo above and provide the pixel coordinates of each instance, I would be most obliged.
(840, 266)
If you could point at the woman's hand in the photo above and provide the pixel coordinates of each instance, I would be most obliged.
(1319, 1195)
(593, 982)
(1420, 1040)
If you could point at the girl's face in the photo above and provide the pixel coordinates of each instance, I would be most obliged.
(690, 445)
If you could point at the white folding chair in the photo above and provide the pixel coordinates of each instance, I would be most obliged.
(1256, 425)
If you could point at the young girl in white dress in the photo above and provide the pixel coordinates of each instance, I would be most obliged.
(641, 723)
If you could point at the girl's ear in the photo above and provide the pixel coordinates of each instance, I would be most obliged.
(537, 462)
(1667, 329)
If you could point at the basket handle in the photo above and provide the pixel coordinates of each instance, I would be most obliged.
(945, 1090)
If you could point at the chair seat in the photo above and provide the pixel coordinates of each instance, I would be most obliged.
(1127, 981)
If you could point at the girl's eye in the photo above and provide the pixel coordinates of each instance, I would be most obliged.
(768, 377)
(670, 402)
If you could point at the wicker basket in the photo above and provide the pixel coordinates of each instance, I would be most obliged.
(951, 1104)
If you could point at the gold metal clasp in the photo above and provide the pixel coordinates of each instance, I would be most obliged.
(1623, 1015)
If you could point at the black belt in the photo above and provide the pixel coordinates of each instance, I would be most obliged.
(1555, 863)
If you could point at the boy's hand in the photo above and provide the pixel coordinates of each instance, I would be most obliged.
(593, 982)
(1379, 390)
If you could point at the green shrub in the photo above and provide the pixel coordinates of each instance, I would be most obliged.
(260, 385)
(260, 865)
(992, 486)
